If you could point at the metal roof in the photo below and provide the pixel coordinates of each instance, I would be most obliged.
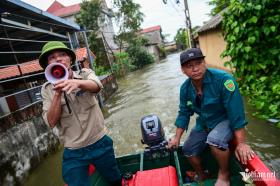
(24, 29)
(27, 10)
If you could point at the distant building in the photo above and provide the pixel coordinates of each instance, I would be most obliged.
(212, 43)
(106, 33)
(170, 47)
(155, 39)
(64, 12)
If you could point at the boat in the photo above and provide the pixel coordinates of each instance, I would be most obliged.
(158, 166)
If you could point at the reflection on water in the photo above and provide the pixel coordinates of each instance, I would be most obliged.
(155, 89)
(264, 139)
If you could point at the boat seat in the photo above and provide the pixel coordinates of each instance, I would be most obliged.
(165, 176)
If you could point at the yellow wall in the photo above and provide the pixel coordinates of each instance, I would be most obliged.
(212, 45)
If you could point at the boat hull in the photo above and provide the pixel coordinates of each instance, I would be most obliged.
(172, 168)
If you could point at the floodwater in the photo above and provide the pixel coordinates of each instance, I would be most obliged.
(155, 90)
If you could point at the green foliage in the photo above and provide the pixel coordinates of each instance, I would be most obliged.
(100, 70)
(122, 65)
(162, 51)
(252, 34)
(129, 19)
(218, 6)
(89, 17)
(138, 54)
(182, 39)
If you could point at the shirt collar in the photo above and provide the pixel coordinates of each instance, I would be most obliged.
(207, 78)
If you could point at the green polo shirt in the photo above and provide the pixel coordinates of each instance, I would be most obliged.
(221, 100)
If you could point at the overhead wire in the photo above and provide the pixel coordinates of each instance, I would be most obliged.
(173, 6)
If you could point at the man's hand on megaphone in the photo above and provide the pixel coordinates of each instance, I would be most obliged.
(67, 85)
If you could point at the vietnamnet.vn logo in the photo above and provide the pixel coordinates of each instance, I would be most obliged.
(252, 176)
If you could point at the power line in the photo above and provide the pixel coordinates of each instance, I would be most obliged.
(176, 8)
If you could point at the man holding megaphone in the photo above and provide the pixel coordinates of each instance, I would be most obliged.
(69, 104)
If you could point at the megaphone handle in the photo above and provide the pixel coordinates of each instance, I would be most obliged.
(67, 103)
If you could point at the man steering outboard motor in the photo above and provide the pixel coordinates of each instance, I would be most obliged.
(153, 134)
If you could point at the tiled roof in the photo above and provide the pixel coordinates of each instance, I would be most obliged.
(213, 23)
(33, 66)
(55, 6)
(150, 29)
(69, 10)
(81, 54)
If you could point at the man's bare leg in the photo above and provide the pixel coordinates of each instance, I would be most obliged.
(196, 164)
(222, 158)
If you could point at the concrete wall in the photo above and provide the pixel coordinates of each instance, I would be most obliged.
(110, 87)
(212, 45)
(23, 146)
(154, 51)
(4, 108)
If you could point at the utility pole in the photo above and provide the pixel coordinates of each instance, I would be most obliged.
(188, 21)
(188, 24)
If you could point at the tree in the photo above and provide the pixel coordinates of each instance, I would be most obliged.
(89, 18)
(252, 32)
(218, 6)
(182, 39)
(129, 19)
(138, 54)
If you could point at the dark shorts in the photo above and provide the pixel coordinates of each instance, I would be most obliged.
(218, 137)
(76, 162)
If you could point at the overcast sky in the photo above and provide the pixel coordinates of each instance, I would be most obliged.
(169, 16)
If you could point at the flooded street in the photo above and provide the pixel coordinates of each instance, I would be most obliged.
(155, 89)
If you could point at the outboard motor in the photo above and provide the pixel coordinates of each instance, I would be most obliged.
(153, 134)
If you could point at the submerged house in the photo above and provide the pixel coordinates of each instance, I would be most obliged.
(155, 39)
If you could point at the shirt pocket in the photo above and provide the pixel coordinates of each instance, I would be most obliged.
(65, 110)
(86, 100)
(212, 104)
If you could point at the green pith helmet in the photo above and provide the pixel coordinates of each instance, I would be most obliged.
(51, 46)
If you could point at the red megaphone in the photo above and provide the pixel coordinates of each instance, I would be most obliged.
(58, 71)
(55, 72)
